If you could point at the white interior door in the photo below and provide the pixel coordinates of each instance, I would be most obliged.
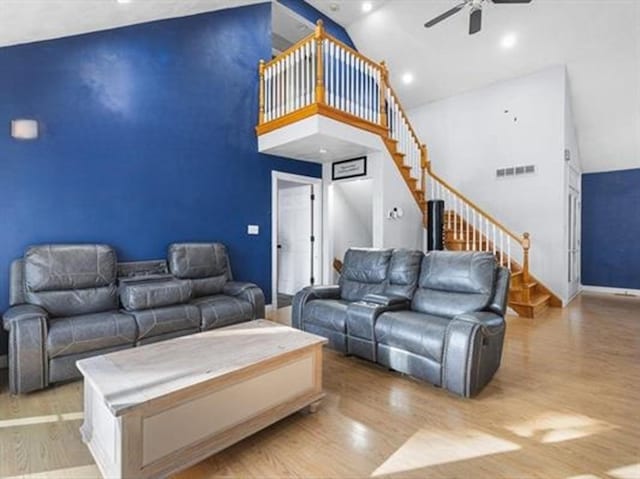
(574, 241)
(295, 242)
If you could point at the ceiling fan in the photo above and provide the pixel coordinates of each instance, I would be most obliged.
(475, 20)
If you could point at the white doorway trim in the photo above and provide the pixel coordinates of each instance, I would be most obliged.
(317, 224)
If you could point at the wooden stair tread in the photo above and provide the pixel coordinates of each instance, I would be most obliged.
(531, 285)
(536, 300)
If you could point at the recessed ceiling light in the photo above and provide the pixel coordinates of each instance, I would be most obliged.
(367, 6)
(509, 40)
(124, 1)
(407, 78)
(323, 151)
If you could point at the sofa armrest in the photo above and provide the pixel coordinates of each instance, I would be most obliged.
(472, 352)
(387, 300)
(489, 321)
(307, 294)
(498, 303)
(27, 326)
(22, 312)
(249, 292)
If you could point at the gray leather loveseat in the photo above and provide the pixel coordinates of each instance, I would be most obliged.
(69, 302)
(438, 316)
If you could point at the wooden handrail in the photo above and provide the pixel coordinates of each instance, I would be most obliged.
(476, 207)
(382, 124)
(411, 130)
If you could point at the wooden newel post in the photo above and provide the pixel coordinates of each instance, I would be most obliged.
(384, 76)
(261, 109)
(319, 34)
(526, 244)
(423, 179)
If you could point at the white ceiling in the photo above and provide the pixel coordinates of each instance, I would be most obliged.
(598, 40)
(23, 21)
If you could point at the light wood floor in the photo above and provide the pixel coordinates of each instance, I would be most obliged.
(565, 404)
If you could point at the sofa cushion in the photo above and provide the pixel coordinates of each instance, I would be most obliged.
(222, 310)
(153, 322)
(79, 334)
(364, 271)
(328, 313)
(147, 294)
(404, 268)
(453, 283)
(198, 260)
(208, 286)
(62, 267)
(76, 302)
(418, 333)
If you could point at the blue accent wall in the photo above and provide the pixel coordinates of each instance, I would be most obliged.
(611, 228)
(312, 14)
(147, 139)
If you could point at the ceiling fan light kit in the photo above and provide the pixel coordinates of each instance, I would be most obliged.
(475, 17)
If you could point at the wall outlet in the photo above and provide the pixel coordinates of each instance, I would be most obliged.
(253, 229)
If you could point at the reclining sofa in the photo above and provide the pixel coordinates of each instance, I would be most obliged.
(69, 302)
(437, 316)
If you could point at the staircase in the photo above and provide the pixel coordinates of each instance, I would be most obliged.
(322, 76)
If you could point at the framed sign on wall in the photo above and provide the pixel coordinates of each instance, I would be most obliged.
(341, 170)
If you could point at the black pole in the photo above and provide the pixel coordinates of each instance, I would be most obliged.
(435, 230)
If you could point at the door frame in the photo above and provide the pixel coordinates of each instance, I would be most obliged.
(573, 184)
(317, 225)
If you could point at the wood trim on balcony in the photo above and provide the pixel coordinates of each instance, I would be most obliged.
(324, 110)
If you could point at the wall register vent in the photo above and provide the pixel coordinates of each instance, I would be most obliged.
(512, 171)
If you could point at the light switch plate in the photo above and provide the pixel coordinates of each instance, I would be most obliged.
(253, 229)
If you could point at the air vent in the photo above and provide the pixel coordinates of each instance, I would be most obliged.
(512, 171)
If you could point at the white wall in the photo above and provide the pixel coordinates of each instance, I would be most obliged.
(515, 122)
(406, 232)
(352, 215)
(386, 189)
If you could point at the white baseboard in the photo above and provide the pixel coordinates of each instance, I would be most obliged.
(268, 309)
(607, 290)
(4, 364)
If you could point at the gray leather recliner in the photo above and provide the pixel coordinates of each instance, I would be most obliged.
(445, 326)
(323, 309)
(220, 300)
(64, 308)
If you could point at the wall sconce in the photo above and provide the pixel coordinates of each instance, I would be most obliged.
(22, 129)
(395, 213)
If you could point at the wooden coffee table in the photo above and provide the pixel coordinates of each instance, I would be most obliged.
(154, 410)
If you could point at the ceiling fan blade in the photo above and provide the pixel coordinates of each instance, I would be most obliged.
(511, 1)
(475, 21)
(445, 15)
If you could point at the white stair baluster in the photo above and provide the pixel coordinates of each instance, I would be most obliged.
(343, 73)
(313, 71)
(297, 89)
(267, 94)
(352, 82)
(367, 92)
(331, 67)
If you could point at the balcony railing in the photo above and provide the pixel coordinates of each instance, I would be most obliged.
(322, 75)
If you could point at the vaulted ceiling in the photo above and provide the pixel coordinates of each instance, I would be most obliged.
(598, 41)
